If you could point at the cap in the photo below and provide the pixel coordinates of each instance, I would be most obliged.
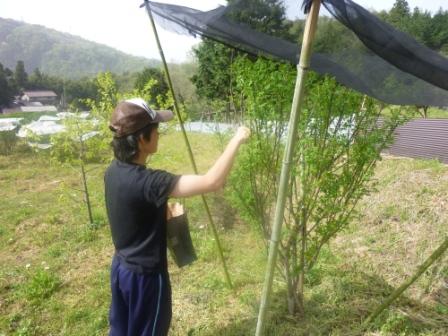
(132, 115)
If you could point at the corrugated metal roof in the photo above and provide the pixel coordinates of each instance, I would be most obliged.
(422, 138)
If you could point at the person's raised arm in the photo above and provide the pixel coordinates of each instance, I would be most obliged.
(214, 179)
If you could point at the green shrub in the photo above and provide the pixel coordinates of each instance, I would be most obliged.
(40, 286)
(339, 142)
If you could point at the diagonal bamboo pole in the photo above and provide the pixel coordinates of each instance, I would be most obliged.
(396, 293)
(187, 142)
(302, 69)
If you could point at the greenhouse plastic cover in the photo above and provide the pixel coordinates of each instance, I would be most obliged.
(40, 128)
(9, 124)
(389, 65)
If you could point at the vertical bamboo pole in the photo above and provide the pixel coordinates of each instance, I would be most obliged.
(302, 69)
(187, 143)
(422, 268)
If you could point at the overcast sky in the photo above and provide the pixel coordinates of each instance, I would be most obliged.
(121, 24)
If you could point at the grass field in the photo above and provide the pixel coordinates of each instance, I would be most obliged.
(54, 268)
(432, 113)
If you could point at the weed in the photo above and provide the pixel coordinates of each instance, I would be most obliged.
(79, 316)
(398, 324)
(442, 309)
(40, 286)
(22, 214)
(25, 328)
(8, 141)
(54, 219)
(215, 282)
(99, 218)
(87, 233)
(55, 251)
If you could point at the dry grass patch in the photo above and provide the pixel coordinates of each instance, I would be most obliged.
(400, 226)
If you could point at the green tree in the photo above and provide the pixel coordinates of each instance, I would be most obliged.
(78, 91)
(338, 146)
(400, 15)
(420, 26)
(76, 147)
(36, 80)
(431, 31)
(186, 91)
(214, 79)
(39, 80)
(101, 109)
(88, 141)
(73, 92)
(20, 75)
(439, 31)
(5, 97)
(125, 81)
(267, 16)
(6, 91)
(159, 88)
(333, 37)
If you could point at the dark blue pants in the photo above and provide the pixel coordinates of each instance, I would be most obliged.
(141, 303)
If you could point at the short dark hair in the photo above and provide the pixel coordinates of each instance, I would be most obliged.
(126, 147)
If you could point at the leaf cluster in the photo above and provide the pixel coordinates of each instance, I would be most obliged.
(429, 29)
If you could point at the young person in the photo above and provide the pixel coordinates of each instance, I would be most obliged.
(136, 202)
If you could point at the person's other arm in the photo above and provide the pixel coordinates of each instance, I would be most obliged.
(214, 179)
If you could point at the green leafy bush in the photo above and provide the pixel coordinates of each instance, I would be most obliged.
(340, 140)
(40, 286)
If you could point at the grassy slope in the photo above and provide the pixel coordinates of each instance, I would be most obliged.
(54, 269)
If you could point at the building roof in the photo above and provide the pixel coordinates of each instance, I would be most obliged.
(36, 94)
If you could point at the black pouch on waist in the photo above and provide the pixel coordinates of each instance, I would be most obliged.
(179, 240)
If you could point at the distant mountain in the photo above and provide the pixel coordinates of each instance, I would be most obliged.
(61, 54)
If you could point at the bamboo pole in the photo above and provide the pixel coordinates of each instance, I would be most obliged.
(302, 69)
(187, 143)
(396, 293)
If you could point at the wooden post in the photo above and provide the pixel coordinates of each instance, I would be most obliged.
(187, 143)
(302, 69)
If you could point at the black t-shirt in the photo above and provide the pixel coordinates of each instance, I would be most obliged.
(136, 200)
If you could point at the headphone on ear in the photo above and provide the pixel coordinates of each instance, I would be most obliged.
(133, 144)
(132, 141)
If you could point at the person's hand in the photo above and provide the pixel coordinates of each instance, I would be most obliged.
(242, 134)
(174, 210)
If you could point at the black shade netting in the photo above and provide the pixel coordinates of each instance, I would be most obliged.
(378, 59)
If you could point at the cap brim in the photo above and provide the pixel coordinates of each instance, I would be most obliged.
(163, 116)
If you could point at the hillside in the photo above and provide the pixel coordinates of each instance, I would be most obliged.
(61, 54)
